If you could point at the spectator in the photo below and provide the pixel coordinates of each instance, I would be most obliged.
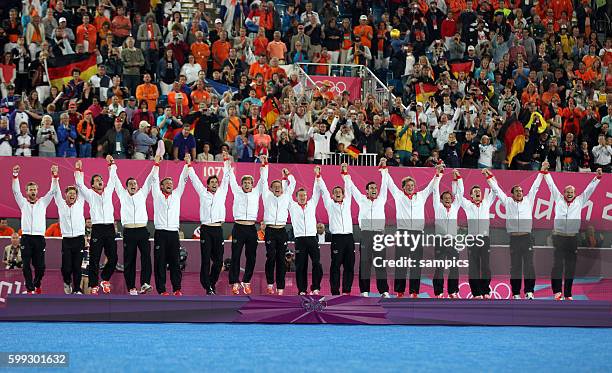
(205, 156)
(67, 140)
(245, 145)
(46, 138)
(5, 229)
(143, 141)
(423, 142)
(85, 132)
(184, 143)
(12, 253)
(132, 60)
(23, 143)
(116, 142)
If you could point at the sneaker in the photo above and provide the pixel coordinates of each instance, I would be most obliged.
(453, 296)
(346, 293)
(400, 294)
(29, 292)
(178, 293)
(529, 295)
(414, 295)
(38, 290)
(516, 297)
(302, 293)
(77, 293)
(210, 291)
(145, 288)
(568, 298)
(280, 291)
(270, 290)
(315, 292)
(486, 296)
(385, 295)
(106, 287)
(558, 296)
(479, 297)
(440, 296)
(67, 288)
(365, 294)
(94, 290)
(133, 291)
(235, 289)
(246, 288)
(165, 294)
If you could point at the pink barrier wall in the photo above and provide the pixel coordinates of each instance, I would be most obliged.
(597, 213)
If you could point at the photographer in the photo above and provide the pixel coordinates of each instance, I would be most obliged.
(12, 253)
(46, 139)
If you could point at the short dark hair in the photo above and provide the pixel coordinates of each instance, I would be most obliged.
(128, 180)
(93, 177)
(370, 183)
(300, 190)
(210, 178)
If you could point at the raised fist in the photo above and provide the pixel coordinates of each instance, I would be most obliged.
(599, 172)
(545, 166)
(285, 172)
(16, 169)
(317, 170)
(78, 164)
(344, 167)
(54, 170)
(157, 158)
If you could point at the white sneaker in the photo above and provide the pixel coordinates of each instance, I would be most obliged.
(385, 295)
(558, 296)
(78, 293)
(365, 294)
(67, 288)
(280, 291)
(314, 292)
(133, 291)
(516, 297)
(145, 288)
(529, 295)
(302, 293)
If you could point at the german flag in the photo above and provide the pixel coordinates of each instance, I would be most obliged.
(269, 111)
(458, 67)
(424, 91)
(514, 139)
(352, 151)
(60, 68)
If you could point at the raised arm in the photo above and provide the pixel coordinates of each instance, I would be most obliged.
(494, 186)
(114, 178)
(327, 200)
(386, 179)
(195, 180)
(78, 180)
(590, 189)
(288, 182)
(552, 187)
(146, 187)
(19, 198)
(436, 191)
(180, 188)
(46, 199)
(223, 185)
(112, 175)
(232, 181)
(155, 188)
(262, 183)
(429, 188)
(533, 191)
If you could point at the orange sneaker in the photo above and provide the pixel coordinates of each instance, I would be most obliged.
(235, 289)
(558, 296)
(400, 294)
(165, 294)
(270, 290)
(38, 290)
(178, 293)
(246, 288)
(414, 295)
(94, 290)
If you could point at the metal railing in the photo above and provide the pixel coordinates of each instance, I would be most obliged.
(370, 84)
(362, 159)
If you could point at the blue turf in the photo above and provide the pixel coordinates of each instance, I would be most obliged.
(101, 347)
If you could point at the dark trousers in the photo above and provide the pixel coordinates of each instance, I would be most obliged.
(366, 260)
(416, 254)
(276, 247)
(243, 236)
(136, 239)
(521, 263)
(72, 257)
(342, 254)
(564, 264)
(452, 281)
(102, 238)
(479, 268)
(211, 248)
(33, 251)
(307, 247)
(166, 254)
(131, 82)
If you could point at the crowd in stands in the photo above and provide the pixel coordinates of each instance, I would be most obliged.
(209, 83)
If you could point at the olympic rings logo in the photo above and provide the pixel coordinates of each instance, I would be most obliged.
(337, 87)
(500, 291)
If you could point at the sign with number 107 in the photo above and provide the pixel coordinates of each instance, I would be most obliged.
(211, 170)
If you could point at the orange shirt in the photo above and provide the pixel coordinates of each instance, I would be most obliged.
(586, 76)
(277, 49)
(148, 93)
(457, 6)
(183, 108)
(198, 96)
(220, 52)
(87, 33)
(559, 6)
(99, 21)
(6, 231)
(201, 53)
(588, 60)
(366, 33)
(260, 44)
(233, 126)
(53, 230)
(274, 70)
(256, 68)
